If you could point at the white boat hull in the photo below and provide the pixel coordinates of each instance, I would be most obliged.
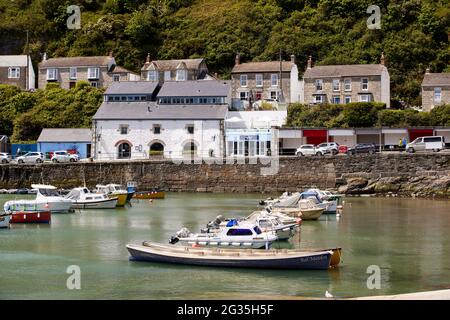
(60, 206)
(97, 204)
(4, 221)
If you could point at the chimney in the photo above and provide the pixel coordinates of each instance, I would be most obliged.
(238, 59)
(309, 63)
(293, 58)
(148, 58)
(383, 59)
(44, 57)
(428, 70)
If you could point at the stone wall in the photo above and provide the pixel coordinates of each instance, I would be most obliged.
(403, 174)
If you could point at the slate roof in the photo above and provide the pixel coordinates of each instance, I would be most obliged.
(132, 87)
(152, 111)
(265, 66)
(13, 61)
(76, 62)
(346, 70)
(195, 88)
(436, 79)
(65, 135)
(166, 65)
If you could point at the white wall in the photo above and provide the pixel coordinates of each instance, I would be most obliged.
(254, 119)
(173, 136)
(296, 90)
(386, 87)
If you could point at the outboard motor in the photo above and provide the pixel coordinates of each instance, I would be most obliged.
(173, 240)
(183, 233)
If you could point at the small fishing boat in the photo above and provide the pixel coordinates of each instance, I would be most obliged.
(4, 220)
(238, 258)
(152, 194)
(47, 199)
(82, 198)
(306, 209)
(234, 234)
(31, 217)
(325, 199)
(114, 191)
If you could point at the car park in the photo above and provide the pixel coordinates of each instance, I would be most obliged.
(309, 150)
(434, 143)
(63, 156)
(31, 157)
(361, 148)
(5, 157)
(329, 147)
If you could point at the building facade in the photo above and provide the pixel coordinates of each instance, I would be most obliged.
(174, 70)
(73, 140)
(435, 90)
(269, 80)
(341, 84)
(99, 71)
(17, 71)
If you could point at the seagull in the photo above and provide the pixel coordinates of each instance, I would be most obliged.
(328, 295)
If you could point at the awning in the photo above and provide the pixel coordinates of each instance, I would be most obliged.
(394, 131)
(341, 132)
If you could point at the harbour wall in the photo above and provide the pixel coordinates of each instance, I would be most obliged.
(426, 175)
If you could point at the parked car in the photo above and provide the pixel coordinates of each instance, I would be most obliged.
(308, 150)
(64, 156)
(31, 157)
(435, 143)
(5, 157)
(369, 148)
(343, 149)
(329, 147)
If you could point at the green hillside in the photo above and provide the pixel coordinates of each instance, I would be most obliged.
(414, 34)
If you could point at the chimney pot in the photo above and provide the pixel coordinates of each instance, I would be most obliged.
(293, 58)
(44, 57)
(428, 70)
(238, 59)
(309, 62)
(148, 58)
(383, 59)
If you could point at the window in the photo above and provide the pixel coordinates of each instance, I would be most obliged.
(348, 84)
(243, 80)
(364, 84)
(123, 129)
(239, 232)
(348, 99)
(318, 99)
(52, 74)
(336, 85)
(181, 75)
(156, 129)
(243, 95)
(73, 73)
(274, 80)
(93, 73)
(116, 77)
(167, 76)
(336, 99)
(319, 85)
(14, 73)
(364, 98)
(259, 80)
(152, 75)
(94, 84)
(274, 95)
(437, 95)
(190, 128)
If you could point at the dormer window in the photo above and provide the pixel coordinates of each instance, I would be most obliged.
(181, 75)
(52, 74)
(152, 75)
(93, 73)
(14, 73)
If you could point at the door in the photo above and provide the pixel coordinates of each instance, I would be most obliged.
(88, 150)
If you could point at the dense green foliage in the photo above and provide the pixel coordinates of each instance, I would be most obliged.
(413, 34)
(364, 114)
(24, 114)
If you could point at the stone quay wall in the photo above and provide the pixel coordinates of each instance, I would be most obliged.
(426, 175)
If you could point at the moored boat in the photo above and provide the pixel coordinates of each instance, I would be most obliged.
(31, 217)
(151, 194)
(243, 258)
(82, 198)
(5, 218)
(114, 191)
(306, 209)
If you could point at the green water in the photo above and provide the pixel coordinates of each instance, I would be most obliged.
(408, 239)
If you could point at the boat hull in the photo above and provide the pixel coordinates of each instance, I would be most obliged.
(145, 195)
(31, 217)
(36, 205)
(4, 221)
(121, 199)
(314, 261)
(103, 204)
(311, 214)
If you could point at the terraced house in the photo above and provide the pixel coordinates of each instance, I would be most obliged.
(340, 84)
(435, 90)
(99, 71)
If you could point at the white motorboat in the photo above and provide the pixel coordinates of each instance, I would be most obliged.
(331, 202)
(5, 218)
(114, 191)
(234, 235)
(306, 209)
(82, 198)
(47, 199)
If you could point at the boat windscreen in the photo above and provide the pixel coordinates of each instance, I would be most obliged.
(49, 192)
(257, 230)
(73, 195)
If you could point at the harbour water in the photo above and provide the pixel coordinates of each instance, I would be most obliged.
(408, 239)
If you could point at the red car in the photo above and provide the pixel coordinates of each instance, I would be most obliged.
(343, 149)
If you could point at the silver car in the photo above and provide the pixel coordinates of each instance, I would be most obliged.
(31, 157)
(5, 157)
(64, 156)
(308, 149)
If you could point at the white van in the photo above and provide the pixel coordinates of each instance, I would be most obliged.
(435, 143)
